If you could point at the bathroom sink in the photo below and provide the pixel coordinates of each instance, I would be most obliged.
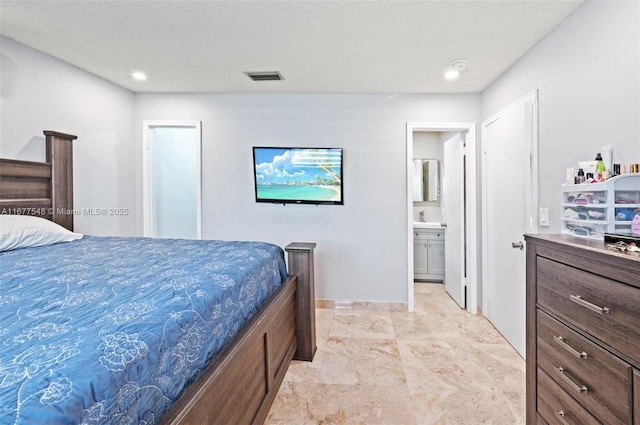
(427, 225)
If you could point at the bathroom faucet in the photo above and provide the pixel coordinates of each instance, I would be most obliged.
(422, 216)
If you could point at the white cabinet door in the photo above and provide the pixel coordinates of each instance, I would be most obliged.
(420, 255)
(435, 253)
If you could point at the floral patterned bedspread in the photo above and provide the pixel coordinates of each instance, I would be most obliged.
(110, 330)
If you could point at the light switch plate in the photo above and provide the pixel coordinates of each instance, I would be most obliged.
(544, 217)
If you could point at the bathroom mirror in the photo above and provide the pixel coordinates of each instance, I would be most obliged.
(426, 180)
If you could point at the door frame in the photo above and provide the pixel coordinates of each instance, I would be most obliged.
(470, 211)
(533, 183)
(148, 220)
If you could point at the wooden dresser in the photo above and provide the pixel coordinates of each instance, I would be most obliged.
(583, 332)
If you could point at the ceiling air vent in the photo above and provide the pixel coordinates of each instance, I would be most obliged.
(265, 76)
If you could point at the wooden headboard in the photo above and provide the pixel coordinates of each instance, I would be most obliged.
(44, 189)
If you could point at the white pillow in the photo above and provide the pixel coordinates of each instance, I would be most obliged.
(23, 231)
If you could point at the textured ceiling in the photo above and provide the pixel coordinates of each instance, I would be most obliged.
(318, 46)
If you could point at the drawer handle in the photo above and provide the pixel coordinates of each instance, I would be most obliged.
(576, 387)
(560, 415)
(560, 340)
(578, 300)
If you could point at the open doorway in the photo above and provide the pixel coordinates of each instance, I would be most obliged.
(464, 238)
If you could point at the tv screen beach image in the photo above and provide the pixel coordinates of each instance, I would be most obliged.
(298, 174)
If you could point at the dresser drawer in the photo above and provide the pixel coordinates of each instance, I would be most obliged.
(596, 379)
(540, 421)
(559, 408)
(604, 308)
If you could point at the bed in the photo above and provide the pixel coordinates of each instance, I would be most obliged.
(125, 330)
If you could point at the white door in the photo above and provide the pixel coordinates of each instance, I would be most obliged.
(453, 213)
(172, 180)
(508, 165)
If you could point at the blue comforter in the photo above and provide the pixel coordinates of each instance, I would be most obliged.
(110, 330)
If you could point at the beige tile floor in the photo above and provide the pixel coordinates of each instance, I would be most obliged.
(439, 365)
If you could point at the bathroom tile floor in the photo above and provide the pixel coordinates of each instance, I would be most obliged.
(438, 365)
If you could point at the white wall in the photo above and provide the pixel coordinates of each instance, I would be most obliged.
(361, 252)
(40, 93)
(588, 75)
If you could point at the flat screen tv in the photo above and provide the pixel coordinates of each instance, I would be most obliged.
(298, 175)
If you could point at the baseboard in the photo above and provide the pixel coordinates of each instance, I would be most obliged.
(360, 305)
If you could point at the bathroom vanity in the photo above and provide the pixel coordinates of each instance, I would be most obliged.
(428, 251)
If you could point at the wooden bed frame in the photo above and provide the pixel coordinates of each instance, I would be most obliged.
(239, 386)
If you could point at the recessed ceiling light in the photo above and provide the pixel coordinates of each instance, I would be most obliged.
(140, 76)
(451, 74)
(455, 68)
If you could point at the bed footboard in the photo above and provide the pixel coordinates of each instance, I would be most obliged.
(301, 263)
(240, 385)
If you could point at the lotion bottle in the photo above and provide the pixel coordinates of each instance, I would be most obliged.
(635, 224)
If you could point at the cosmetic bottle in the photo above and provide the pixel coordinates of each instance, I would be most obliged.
(580, 178)
(635, 224)
(616, 170)
(600, 170)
